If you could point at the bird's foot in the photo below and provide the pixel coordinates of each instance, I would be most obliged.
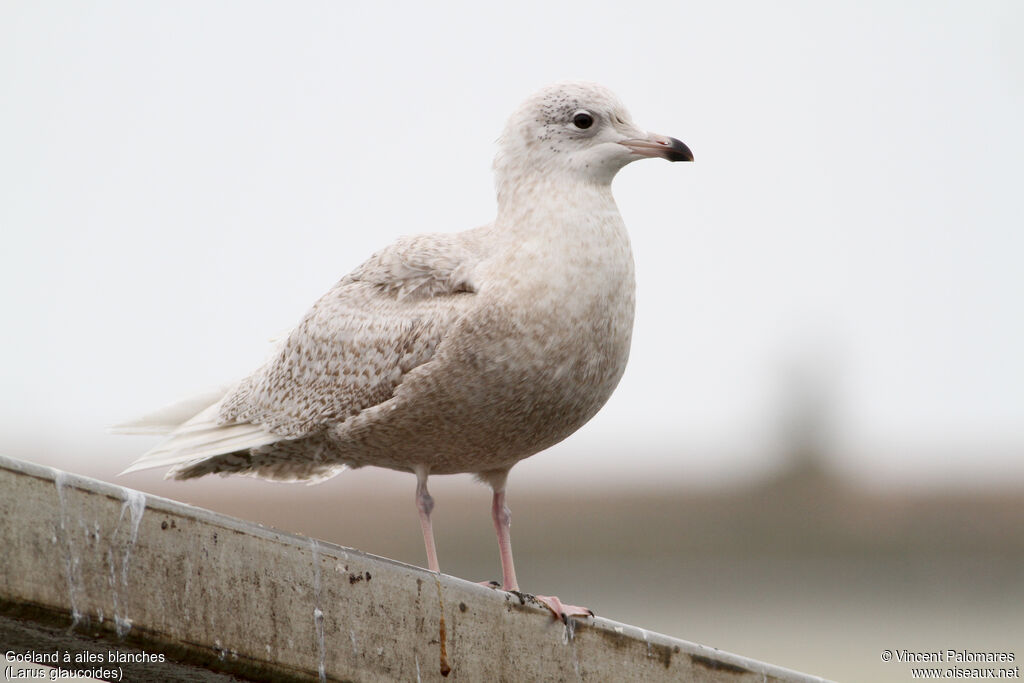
(557, 607)
(561, 610)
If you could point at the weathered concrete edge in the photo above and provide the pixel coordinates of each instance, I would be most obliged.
(711, 658)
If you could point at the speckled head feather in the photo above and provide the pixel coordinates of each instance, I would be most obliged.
(571, 132)
(544, 135)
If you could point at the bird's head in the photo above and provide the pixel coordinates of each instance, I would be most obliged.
(581, 129)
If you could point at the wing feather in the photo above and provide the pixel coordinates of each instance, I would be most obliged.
(360, 339)
(349, 353)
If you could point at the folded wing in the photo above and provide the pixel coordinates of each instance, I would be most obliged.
(349, 353)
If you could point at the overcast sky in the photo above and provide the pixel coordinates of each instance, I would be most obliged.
(180, 181)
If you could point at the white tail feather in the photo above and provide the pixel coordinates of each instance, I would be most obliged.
(195, 436)
(170, 418)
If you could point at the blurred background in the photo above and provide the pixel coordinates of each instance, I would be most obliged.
(817, 451)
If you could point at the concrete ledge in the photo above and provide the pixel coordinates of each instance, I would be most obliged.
(90, 566)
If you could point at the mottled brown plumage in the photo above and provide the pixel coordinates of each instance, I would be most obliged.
(460, 352)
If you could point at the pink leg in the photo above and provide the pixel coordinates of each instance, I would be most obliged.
(425, 505)
(502, 517)
(502, 526)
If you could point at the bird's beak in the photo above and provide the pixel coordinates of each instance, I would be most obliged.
(655, 145)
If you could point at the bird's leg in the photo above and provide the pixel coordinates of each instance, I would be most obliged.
(502, 517)
(425, 504)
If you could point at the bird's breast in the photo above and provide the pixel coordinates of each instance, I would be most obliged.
(564, 303)
(536, 354)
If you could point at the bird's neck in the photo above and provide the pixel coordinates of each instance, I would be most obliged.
(541, 202)
(570, 236)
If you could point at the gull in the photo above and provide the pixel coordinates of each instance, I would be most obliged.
(452, 352)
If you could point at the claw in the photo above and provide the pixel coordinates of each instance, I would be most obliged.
(561, 610)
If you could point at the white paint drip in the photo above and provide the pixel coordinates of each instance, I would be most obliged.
(570, 631)
(318, 614)
(72, 562)
(569, 638)
(134, 507)
(135, 503)
(122, 625)
(188, 586)
(418, 680)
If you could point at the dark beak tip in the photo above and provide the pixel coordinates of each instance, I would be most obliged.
(679, 151)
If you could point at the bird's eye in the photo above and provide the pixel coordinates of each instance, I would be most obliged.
(582, 120)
